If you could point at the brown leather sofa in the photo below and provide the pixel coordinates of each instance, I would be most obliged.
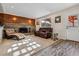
(44, 32)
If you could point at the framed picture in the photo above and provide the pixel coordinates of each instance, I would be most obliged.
(73, 20)
(58, 19)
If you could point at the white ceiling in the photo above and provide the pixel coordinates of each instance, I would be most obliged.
(34, 10)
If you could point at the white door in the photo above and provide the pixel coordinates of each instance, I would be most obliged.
(73, 33)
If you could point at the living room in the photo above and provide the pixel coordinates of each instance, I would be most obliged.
(39, 28)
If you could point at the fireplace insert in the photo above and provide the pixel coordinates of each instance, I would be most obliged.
(23, 30)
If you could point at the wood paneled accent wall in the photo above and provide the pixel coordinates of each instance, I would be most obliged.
(1, 18)
(7, 18)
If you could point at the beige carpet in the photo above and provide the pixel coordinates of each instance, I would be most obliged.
(28, 46)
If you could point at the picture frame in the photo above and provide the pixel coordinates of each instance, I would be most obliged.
(58, 19)
(73, 21)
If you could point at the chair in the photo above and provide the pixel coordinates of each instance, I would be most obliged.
(10, 33)
(44, 32)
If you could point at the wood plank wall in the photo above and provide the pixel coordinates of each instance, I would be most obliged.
(7, 18)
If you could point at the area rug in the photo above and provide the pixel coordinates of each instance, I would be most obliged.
(64, 48)
(28, 46)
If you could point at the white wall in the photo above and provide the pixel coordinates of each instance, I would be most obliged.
(61, 28)
(39, 20)
(38, 26)
(1, 33)
(1, 8)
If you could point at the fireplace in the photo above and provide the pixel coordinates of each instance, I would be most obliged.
(23, 30)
